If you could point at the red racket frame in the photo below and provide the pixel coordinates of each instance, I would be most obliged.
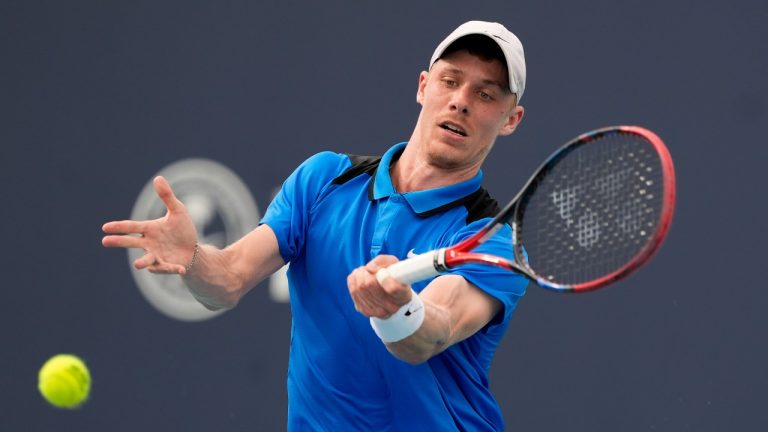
(461, 253)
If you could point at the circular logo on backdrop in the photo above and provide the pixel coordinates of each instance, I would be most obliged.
(222, 209)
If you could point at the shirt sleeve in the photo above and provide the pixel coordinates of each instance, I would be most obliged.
(288, 214)
(505, 286)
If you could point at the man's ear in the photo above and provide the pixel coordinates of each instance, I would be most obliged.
(422, 84)
(514, 119)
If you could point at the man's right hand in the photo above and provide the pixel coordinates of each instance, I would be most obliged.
(168, 242)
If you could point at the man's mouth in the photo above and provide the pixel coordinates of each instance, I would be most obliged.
(452, 127)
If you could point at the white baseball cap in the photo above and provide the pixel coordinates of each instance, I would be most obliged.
(509, 43)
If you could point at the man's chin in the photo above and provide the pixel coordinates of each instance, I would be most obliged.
(447, 159)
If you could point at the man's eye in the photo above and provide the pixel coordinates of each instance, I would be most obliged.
(450, 82)
(485, 96)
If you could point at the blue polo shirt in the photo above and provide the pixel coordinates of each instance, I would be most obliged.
(335, 213)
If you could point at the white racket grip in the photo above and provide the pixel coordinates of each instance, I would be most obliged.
(418, 268)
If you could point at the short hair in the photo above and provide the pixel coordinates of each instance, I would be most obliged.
(481, 46)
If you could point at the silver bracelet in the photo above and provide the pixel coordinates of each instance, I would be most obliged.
(194, 258)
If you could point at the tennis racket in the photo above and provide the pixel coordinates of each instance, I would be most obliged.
(595, 211)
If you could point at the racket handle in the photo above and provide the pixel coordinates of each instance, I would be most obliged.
(418, 268)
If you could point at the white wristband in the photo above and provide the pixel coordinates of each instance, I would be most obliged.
(402, 323)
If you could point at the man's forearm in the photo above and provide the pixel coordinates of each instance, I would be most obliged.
(432, 337)
(211, 280)
(454, 310)
(219, 278)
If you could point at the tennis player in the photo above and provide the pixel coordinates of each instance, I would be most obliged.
(369, 355)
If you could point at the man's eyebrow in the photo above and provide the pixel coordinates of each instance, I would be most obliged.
(494, 83)
(457, 71)
(454, 70)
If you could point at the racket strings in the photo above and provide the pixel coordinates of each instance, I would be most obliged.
(592, 210)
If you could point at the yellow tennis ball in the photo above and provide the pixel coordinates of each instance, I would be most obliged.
(64, 381)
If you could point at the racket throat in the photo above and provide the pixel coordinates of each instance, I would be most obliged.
(439, 260)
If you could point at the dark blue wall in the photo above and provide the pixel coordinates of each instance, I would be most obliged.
(98, 96)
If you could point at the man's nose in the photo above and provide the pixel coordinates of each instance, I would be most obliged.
(459, 102)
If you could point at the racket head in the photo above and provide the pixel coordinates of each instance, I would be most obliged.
(596, 210)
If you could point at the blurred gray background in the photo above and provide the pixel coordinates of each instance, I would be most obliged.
(96, 97)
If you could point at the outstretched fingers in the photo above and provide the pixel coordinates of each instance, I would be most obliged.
(124, 234)
(125, 227)
(151, 263)
(164, 191)
(166, 268)
(123, 241)
(146, 260)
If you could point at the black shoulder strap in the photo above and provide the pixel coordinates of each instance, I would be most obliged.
(479, 205)
(360, 165)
